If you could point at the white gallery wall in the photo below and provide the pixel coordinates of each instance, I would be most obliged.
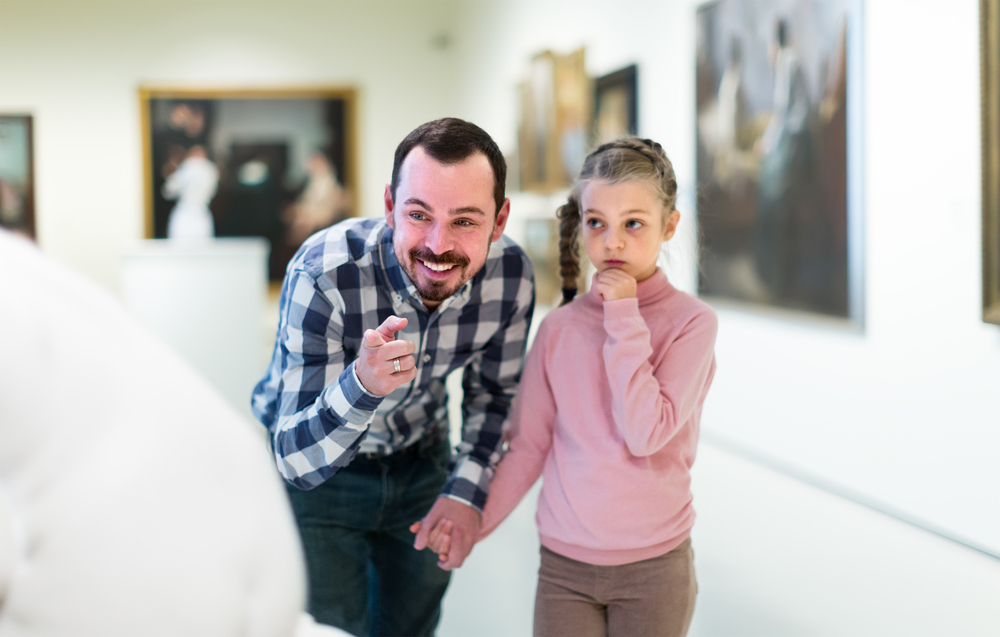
(77, 65)
(903, 415)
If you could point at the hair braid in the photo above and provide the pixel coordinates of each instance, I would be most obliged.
(569, 255)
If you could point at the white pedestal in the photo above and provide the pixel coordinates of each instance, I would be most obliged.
(205, 299)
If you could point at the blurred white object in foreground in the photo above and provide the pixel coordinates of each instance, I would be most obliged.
(133, 499)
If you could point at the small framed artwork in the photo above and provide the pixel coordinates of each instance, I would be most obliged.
(17, 175)
(274, 163)
(555, 111)
(990, 69)
(779, 157)
(616, 111)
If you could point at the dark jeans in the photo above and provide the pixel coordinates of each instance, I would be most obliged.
(364, 574)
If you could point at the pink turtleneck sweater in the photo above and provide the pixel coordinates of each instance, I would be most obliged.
(608, 411)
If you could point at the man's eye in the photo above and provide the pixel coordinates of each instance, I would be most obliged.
(416, 216)
(465, 223)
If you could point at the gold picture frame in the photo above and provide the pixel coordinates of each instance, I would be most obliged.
(554, 121)
(268, 144)
(990, 69)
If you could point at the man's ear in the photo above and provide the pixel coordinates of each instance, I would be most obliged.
(670, 225)
(501, 223)
(388, 204)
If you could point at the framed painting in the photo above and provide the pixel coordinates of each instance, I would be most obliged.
(274, 163)
(616, 111)
(990, 69)
(778, 97)
(555, 113)
(17, 175)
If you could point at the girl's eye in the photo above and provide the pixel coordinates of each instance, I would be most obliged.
(633, 223)
(593, 223)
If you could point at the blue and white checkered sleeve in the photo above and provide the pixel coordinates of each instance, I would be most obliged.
(490, 385)
(323, 412)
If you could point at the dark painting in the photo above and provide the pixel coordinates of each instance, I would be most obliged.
(17, 176)
(267, 163)
(773, 157)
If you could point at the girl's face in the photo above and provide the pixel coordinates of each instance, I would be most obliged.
(623, 227)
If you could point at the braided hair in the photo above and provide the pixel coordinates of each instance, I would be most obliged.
(626, 159)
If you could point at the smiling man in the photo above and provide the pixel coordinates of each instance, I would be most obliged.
(374, 314)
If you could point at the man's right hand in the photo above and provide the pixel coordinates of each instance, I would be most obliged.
(379, 347)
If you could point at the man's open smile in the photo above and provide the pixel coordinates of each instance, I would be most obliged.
(438, 267)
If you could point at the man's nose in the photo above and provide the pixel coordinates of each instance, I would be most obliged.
(439, 239)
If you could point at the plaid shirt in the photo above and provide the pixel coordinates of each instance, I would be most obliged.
(346, 279)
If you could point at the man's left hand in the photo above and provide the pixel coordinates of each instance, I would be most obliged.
(465, 529)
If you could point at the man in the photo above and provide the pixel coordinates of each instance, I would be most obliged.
(374, 315)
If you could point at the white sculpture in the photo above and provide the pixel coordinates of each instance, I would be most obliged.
(133, 499)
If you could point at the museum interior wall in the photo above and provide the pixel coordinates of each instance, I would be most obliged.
(898, 411)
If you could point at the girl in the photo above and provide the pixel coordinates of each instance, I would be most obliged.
(608, 412)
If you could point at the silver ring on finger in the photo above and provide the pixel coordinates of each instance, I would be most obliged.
(395, 365)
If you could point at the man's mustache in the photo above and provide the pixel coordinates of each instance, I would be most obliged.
(447, 258)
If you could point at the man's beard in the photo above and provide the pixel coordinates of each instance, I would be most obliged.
(436, 291)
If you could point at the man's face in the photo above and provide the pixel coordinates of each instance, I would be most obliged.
(443, 221)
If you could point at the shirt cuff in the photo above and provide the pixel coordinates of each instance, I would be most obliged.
(350, 400)
(357, 380)
(469, 484)
(621, 308)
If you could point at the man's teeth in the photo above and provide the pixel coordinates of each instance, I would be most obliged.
(439, 267)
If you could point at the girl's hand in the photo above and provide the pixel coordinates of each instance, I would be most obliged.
(439, 539)
(614, 284)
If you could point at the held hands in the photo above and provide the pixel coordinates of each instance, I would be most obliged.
(450, 529)
(614, 284)
(439, 538)
(379, 348)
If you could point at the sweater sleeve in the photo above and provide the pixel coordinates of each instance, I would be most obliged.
(532, 419)
(649, 404)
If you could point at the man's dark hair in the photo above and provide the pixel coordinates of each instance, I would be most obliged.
(449, 141)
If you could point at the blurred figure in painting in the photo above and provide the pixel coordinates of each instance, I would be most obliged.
(323, 202)
(194, 184)
(786, 167)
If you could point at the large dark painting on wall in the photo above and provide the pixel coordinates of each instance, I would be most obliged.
(17, 175)
(776, 162)
(278, 164)
(990, 42)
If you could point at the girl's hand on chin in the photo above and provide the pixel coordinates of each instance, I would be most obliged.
(614, 284)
